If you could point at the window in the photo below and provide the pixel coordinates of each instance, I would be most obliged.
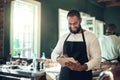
(25, 28)
(63, 23)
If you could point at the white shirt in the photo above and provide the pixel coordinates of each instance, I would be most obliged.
(92, 44)
(110, 47)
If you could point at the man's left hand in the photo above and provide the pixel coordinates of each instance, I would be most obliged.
(74, 66)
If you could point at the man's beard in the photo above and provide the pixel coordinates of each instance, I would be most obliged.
(75, 32)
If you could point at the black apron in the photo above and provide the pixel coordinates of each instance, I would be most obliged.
(79, 52)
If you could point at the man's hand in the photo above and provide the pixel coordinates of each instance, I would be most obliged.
(76, 66)
(63, 56)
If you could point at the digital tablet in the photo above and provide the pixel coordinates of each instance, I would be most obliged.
(62, 61)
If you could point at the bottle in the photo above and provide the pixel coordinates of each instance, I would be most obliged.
(42, 65)
(10, 56)
(10, 60)
(34, 62)
(43, 55)
(38, 65)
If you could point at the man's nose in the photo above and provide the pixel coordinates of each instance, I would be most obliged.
(72, 25)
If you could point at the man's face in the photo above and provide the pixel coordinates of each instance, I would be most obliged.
(74, 24)
(110, 31)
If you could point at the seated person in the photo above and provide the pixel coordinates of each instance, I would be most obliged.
(110, 44)
(113, 74)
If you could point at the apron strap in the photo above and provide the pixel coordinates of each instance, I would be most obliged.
(83, 36)
(84, 39)
(67, 36)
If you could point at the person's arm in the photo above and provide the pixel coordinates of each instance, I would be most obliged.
(118, 47)
(94, 54)
(58, 50)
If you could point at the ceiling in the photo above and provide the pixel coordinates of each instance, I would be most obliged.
(109, 3)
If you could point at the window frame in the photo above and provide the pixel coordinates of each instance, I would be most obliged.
(37, 41)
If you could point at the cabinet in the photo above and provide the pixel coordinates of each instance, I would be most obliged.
(93, 25)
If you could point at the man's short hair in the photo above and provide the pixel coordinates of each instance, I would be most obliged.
(111, 26)
(111, 29)
(72, 13)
